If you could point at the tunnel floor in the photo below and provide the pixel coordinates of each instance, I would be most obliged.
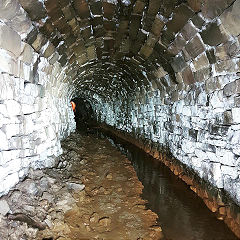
(94, 192)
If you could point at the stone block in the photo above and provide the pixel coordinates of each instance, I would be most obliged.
(227, 51)
(216, 100)
(211, 56)
(82, 59)
(186, 55)
(49, 50)
(124, 47)
(8, 64)
(193, 133)
(214, 34)
(157, 26)
(4, 207)
(21, 24)
(198, 21)
(212, 84)
(231, 171)
(212, 157)
(13, 108)
(15, 143)
(11, 130)
(237, 101)
(181, 15)
(217, 175)
(227, 158)
(232, 88)
(9, 9)
(34, 8)
(96, 8)
(41, 91)
(195, 5)
(179, 42)
(187, 76)
(160, 72)
(28, 125)
(4, 141)
(108, 9)
(25, 72)
(138, 7)
(195, 47)
(14, 165)
(235, 138)
(39, 42)
(227, 66)
(3, 110)
(28, 109)
(7, 89)
(10, 40)
(50, 133)
(7, 183)
(189, 31)
(178, 63)
(203, 75)
(188, 147)
(31, 89)
(91, 53)
(236, 115)
(201, 62)
(54, 58)
(231, 19)
(27, 54)
(151, 40)
(214, 8)
(68, 12)
(146, 51)
(227, 117)
(8, 156)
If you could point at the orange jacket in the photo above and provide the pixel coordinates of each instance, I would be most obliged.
(73, 106)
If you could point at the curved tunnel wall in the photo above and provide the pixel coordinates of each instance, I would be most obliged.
(35, 112)
(164, 70)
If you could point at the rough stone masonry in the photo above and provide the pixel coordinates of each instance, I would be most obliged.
(34, 104)
(166, 71)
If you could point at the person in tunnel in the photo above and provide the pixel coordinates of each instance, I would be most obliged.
(73, 106)
(84, 115)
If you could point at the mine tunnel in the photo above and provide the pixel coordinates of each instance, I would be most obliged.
(152, 149)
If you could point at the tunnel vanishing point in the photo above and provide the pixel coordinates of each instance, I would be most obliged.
(164, 73)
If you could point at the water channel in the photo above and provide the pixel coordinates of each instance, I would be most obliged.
(182, 214)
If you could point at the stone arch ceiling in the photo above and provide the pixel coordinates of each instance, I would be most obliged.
(111, 47)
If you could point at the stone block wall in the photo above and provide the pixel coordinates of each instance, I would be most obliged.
(35, 110)
(195, 116)
(201, 130)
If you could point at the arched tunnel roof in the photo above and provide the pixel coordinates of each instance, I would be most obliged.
(113, 46)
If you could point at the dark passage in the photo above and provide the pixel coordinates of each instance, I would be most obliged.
(84, 115)
(182, 214)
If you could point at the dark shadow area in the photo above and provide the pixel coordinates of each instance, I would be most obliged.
(84, 115)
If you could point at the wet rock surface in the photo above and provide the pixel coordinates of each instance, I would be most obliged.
(92, 193)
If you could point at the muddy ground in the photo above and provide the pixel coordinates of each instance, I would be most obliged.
(92, 193)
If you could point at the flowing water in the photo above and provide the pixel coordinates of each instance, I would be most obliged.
(182, 214)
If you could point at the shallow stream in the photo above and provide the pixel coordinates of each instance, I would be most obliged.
(182, 214)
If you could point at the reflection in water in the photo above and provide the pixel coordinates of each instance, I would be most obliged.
(182, 214)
